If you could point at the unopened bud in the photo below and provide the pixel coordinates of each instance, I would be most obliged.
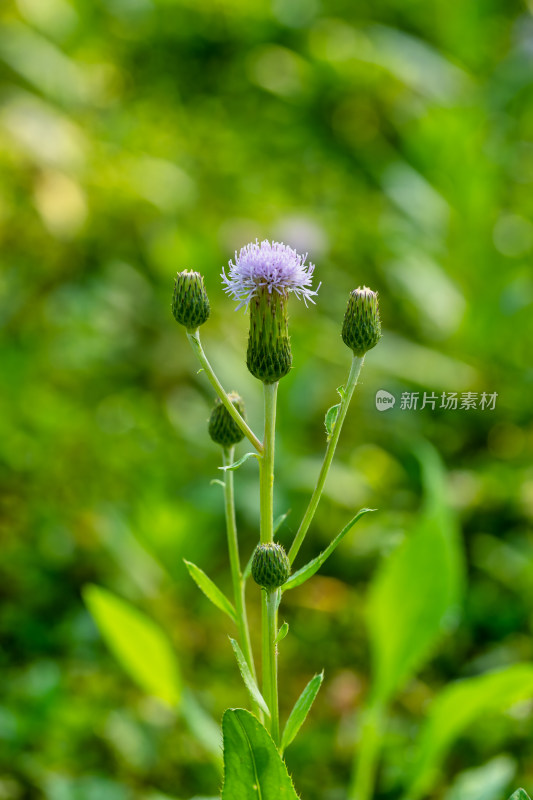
(270, 566)
(223, 429)
(190, 304)
(269, 355)
(361, 329)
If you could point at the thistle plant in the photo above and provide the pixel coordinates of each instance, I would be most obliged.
(261, 279)
(426, 568)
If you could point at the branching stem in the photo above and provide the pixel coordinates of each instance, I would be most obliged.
(351, 383)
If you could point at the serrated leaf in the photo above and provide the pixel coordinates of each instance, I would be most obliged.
(140, 646)
(240, 462)
(253, 768)
(415, 596)
(313, 566)
(248, 678)
(331, 418)
(457, 707)
(301, 709)
(283, 631)
(211, 590)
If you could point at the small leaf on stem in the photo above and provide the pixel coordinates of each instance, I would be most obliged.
(313, 566)
(211, 590)
(301, 710)
(237, 464)
(283, 631)
(248, 678)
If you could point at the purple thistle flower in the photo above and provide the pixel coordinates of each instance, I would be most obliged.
(274, 266)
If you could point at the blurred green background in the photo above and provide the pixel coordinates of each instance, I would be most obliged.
(393, 142)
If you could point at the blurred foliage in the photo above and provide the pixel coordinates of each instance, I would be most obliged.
(394, 143)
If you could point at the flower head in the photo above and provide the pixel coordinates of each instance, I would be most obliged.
(361, 329)
(190, 304)
(270, 265)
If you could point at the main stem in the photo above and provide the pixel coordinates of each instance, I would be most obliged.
(235, 563)
(273, 599)
(266, 505)
(351, 383)
(194, 339)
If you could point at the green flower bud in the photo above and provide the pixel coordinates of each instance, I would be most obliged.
(361, 329)
(190, 304)
(270, 566)
(223, 429)
(269, 355)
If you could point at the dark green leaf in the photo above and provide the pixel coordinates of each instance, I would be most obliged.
(253, 768)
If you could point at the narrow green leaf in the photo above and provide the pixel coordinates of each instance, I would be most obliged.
(520, 794)
(248, 678)
(137, 642)
(331, 418)
(415, 597)
(313, 566)
(216, 482)
(280, 520)
(301, 709)
(253, 768)
(283, 631)
(237, 464)
(457, 707)
(211, 590)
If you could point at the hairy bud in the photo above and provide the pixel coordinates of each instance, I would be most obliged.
(270, 566)
(269, 355)
(190, 304)
(223, 429)
(361, 329)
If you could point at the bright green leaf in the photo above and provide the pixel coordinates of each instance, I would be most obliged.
(301, 709)
(458, 706)
(137, 642)
(237, 464)
(520, 794)
(313, 566)
(283, 631)
(279, 522)
(415, 596)
(331, 418)
(248, 678)
(253, 768)
(211, 590)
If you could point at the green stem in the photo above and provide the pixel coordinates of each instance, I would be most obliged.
(351, 383)
(266, 506)
(235, 563)
(273, 599)
(365, 765)
(194, 339)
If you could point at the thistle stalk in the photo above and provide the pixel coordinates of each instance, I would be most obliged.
(194, 339)
(235, 564)
(351, 383)
(266, 497)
